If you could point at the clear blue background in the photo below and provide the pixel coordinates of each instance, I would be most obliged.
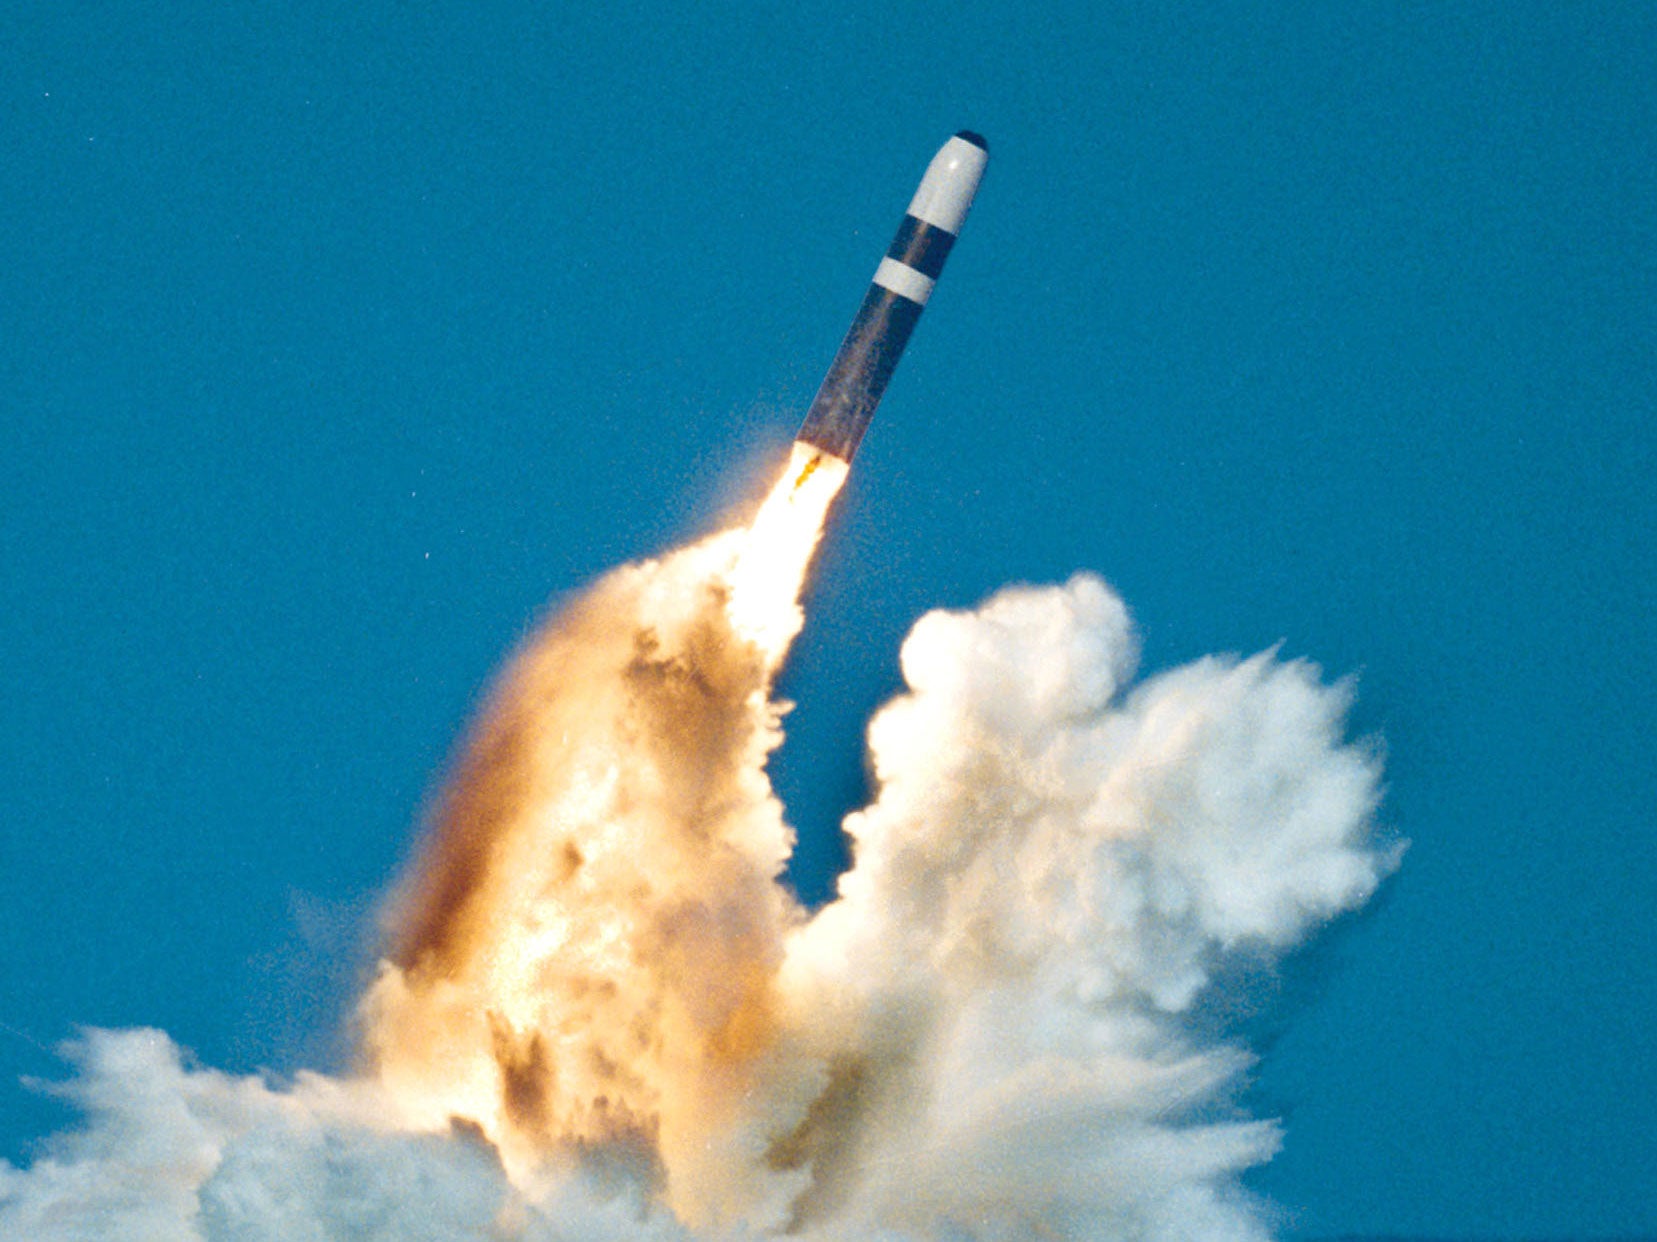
(335, 340)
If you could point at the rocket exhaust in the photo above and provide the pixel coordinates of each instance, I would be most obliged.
(857, 378)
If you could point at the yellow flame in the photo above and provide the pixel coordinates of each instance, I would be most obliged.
(771, 565)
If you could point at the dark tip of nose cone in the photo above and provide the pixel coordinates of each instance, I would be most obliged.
(977, 140)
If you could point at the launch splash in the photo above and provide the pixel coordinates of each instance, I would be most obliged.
(594, 963)
(601, 1015)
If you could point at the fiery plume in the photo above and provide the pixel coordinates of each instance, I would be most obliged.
(602, 1017)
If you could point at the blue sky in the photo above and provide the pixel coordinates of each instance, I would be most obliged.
(334, 346)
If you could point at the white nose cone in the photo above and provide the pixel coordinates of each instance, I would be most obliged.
(951, 180)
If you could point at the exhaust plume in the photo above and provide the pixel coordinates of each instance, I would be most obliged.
(601, 1015)
(587, 952)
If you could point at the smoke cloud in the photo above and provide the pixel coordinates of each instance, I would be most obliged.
(601, 1014)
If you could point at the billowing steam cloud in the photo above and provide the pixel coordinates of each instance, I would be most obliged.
(601, 1015)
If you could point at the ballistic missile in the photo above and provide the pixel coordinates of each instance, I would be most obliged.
(841, 411)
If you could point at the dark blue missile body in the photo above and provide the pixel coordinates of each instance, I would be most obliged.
(858, 376)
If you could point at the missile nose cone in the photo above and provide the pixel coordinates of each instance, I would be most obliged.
(951, 180)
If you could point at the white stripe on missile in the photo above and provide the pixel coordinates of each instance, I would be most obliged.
(904, 281)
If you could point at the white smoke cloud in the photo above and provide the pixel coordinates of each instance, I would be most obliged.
(1049, 875)
(175, 1153)
(988, 1035)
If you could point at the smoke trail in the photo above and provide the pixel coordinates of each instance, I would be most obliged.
(602, 1016)
(587, 954)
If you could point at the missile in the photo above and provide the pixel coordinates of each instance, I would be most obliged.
(845, 403)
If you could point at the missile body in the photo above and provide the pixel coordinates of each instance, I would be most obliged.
(856, 379)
